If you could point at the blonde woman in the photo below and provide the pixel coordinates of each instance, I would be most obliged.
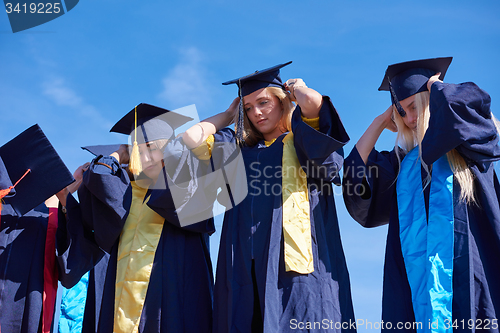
(281, 266)
(439, 193)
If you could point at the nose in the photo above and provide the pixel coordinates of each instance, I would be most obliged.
(145, 156)
(257, 111)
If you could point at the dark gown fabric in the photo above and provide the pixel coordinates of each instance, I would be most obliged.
(179, 296)
(460, 119)
(22, 247)
(251, 261)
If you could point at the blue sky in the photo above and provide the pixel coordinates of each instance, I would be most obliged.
(78, 74)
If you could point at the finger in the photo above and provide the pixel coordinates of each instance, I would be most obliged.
(234, 103)
(433, 79)
(392, 126)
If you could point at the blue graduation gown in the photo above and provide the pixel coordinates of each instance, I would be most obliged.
(22, 248)
(179, 296)
(251, 262)
(460, 119)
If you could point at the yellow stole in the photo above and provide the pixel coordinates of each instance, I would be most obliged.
(296, 212)
(136, 251)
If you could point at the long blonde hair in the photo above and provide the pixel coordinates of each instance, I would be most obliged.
(251, 135)
(407, 140)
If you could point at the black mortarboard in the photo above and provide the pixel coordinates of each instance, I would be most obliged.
(269, 77)
(104, 150)
(155, 123)
(31, 150)
(5, 181)
(408, 78)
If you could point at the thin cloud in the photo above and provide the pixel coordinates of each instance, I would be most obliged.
(61, 94)
(187, 82)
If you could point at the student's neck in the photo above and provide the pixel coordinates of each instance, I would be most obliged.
(271, 137)
(145, 182)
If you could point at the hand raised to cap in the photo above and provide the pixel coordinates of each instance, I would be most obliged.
(433, 79)
(78, 175)
(292, 84)
(388, 119)
(61, 196)
(232, 110)
(122, 154)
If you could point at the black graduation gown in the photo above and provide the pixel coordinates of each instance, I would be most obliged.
(22, 251)
(251, 246)
(179, 296)
(460, 118)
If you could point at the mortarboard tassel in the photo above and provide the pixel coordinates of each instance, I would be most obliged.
(240, 126)
(135, 158)
(6, 191)
(400, 109)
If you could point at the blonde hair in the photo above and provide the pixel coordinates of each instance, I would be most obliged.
(251, 136)
(407, 140)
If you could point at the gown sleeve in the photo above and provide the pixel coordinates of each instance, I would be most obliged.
(320, 152)
(101, 200)
(76, 249)
(194, 184)
(461, 114)
(369, 189)
(181, 195)
(229, 169)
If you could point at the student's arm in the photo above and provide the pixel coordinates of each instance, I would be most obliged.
(367, 141)
(199, 133)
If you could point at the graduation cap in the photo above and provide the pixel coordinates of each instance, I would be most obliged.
(6, 188)
(31, 160)
(409, 78)
(155, 123)
(269, 77)
(104, 150)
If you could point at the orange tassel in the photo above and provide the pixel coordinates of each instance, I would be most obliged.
(6, 191)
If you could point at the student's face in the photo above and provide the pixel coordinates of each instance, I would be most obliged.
(151, 159)
(264, 110)
(411, 117)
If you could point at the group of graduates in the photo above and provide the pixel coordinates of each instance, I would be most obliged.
(141, 225)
